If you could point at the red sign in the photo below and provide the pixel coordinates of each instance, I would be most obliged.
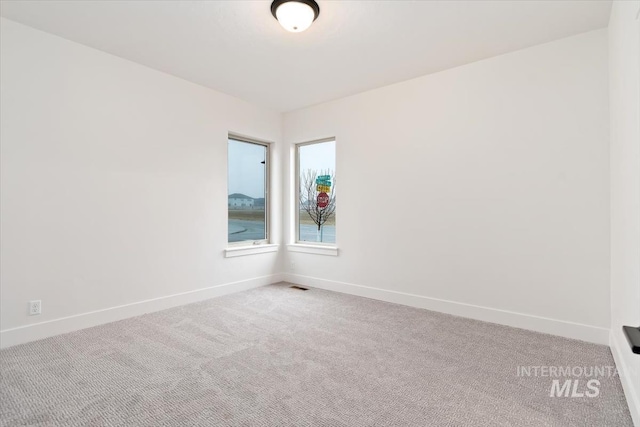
(323, 200)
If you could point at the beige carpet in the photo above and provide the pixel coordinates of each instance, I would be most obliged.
(276, 356)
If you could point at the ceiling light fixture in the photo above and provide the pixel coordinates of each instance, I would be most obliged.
(295, 15)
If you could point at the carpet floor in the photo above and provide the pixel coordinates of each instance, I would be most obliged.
(276, 356)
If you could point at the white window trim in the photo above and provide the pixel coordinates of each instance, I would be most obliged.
(313, 249)
(249, 247)
(232, 252)
(301, 245)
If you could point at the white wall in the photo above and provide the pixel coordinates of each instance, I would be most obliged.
(112, 203)
(114, 186)
(506, 162)
(624, 82)
(112, 195)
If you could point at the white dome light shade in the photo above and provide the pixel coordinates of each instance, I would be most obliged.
(295, 15)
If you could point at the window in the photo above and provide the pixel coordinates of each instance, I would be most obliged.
(316, 192)
(248, 172)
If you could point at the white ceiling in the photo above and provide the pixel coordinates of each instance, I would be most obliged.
(237, 47)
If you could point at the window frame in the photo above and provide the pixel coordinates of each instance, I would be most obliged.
(296, 192)
(267, 192)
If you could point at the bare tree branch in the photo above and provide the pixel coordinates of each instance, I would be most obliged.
(308, 197)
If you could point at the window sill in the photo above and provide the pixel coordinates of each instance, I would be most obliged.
(313, 249)
(250, 250)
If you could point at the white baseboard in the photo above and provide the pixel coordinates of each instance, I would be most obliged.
(36, 331)
(593, 334)
(630, 386)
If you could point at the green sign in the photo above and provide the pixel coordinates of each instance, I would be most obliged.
(323, 180)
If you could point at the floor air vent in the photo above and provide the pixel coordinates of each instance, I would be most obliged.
(300, 288)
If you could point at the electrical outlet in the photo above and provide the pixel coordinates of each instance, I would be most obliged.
(35, 307)
(293, 266)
